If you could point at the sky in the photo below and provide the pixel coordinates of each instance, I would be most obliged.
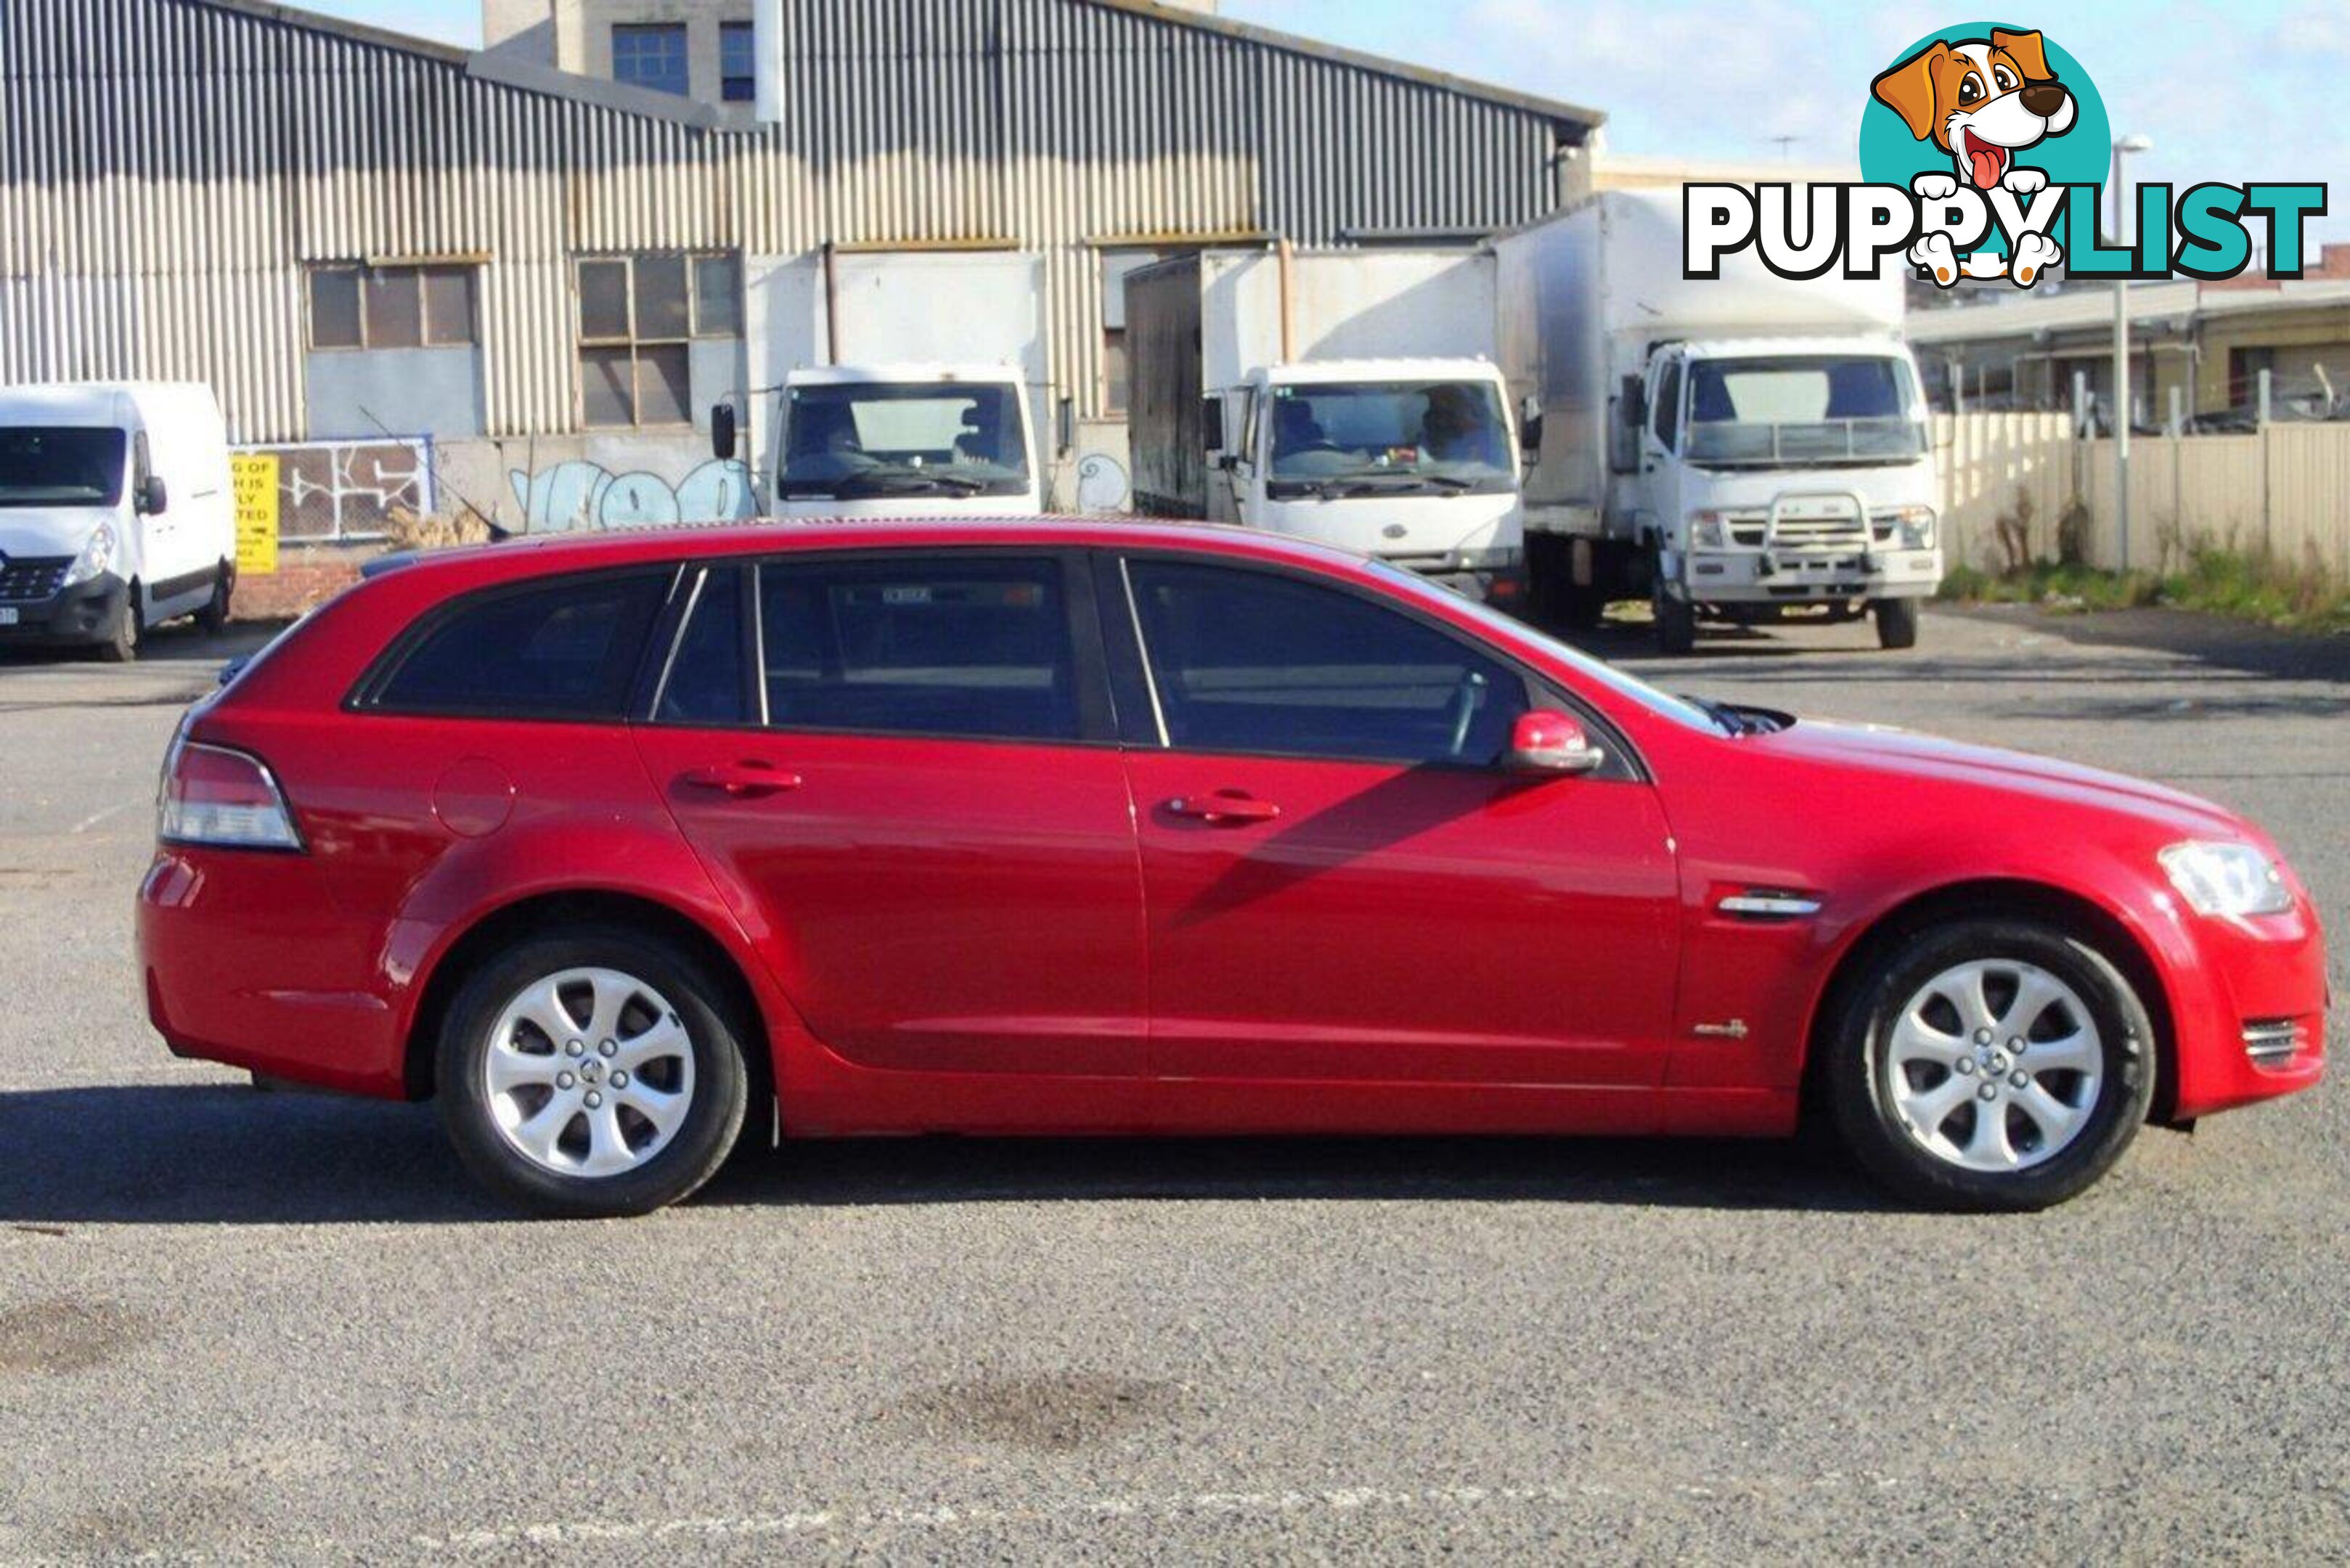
(2251, 90)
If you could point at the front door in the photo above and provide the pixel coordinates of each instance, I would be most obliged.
(1344, 889)
(897, 770)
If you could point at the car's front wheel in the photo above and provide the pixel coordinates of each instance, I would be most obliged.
(1991, 1063)
(594, 1071)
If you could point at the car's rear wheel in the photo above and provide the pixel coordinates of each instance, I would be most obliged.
(594, 1071)
(1991, 1063)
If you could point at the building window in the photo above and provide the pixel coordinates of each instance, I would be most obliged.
(651, 56)
(738, 68)
(639, 316)
(357, 307)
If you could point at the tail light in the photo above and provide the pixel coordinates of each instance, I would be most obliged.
(212, 796)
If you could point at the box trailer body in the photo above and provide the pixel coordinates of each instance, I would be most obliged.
(898, 383)
(1345, 396)
(1733, 447)
(116, 512)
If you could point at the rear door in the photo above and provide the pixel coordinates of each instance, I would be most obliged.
(901, 769)
(1344, 889)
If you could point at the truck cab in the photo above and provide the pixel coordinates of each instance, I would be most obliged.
(1412, 460)
(904, 440)
(116, 512)
(1781, 474)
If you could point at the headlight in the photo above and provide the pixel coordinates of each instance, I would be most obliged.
(1709, 531)
(96, 556)
(1917, 523)
(2227, 879)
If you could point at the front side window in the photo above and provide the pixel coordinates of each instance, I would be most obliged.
(565, 649)
(639, 316)
(859, 441)
(651, 56)
(48, 465)
(1390, 438)
(1814, 407)
(1253, 661)
(392, 306)
(978, 648)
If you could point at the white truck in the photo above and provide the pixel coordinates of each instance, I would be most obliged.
(1741, 449)
(1345, 396)
(116, 512)
(902, 384)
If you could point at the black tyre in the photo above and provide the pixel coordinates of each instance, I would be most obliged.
(1990, 1065)
(124, 637)
(595, 1070)
(1896, 622)
(214, 617)
(1676, 622)
(1581, 606)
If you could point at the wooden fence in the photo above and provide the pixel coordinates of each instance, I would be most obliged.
(2285, 490)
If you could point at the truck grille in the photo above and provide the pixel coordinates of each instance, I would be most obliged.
(2273, 1042)
(1841, 531)
(26, 579)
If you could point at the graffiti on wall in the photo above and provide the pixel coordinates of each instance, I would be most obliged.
(349, 489)
(579, 494)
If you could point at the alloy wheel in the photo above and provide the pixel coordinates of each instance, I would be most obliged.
(1994, 1065)
(588, 1072)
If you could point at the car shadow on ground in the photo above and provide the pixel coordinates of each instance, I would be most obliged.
(222, 1154)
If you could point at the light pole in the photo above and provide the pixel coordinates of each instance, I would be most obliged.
(2122, 149)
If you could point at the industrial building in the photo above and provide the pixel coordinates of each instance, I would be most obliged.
(442, 278)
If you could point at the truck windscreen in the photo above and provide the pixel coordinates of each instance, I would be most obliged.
(1821, 409)
(1388, 437)
(873, 439)
(60, 466)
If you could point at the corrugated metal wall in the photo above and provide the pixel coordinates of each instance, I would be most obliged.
(167, 167)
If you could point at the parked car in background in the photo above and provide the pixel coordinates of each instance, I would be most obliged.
(618, 844)
(116, 512)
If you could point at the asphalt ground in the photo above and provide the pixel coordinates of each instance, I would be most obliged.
(243, 1325)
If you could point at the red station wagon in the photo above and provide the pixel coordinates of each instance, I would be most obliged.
(613, 845)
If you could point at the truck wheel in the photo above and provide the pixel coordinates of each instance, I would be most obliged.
(1896, 622)
(1675, 623)
(122, 640)
(214, 617)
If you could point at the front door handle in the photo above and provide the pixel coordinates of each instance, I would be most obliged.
(1224, 808)
(744, 780)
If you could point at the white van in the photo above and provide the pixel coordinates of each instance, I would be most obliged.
(115, 513)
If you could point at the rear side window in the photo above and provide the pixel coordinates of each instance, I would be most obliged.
(565, 649)
(705, 684)
(976, 648)
(1255, 662)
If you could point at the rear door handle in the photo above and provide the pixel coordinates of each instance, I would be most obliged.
(744, 780)
(1224, 808)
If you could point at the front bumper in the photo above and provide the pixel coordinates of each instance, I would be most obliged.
(2252, 983)
(1796, 577)
(84, 613)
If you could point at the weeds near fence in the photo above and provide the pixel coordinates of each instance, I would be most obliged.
(2217, 579)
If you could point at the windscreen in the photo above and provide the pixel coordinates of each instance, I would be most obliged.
(60, 466)
(863, 440)
(1814, 408)
(1382, 437)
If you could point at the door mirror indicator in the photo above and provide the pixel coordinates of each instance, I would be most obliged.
(1547, 742)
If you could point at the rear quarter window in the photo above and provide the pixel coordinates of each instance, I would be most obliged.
(566, 648)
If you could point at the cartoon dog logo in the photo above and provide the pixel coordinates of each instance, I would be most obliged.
(1981, 100)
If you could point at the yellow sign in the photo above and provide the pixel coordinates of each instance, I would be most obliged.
(253, 476)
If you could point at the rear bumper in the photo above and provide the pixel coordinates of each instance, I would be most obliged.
(84, 613)
(245, 960)
(1764, 576)
(2258, 983)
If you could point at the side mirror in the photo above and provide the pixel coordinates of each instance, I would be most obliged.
(1547, 742)
(723, 432)
(1530, 436)
(1211, 423)
(1069, 426)
(153, 498)
(1635, 403)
